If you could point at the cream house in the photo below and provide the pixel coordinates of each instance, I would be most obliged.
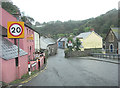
(37, 41)
(90, 40)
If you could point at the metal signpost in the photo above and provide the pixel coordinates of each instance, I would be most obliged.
(15, 30)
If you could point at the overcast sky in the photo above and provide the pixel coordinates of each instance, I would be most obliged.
(64, 10)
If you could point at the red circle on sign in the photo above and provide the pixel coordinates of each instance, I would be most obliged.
(21, 29)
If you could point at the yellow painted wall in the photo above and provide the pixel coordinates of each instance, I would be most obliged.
(92, 41)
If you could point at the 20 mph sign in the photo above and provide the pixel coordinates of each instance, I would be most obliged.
(15, 30)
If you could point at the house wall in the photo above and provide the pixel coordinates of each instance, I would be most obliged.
(52, 49)
(118, 47)
(0, 69)
(23, 65)
(37, 41)
(92, 41)
(107, 43)
(25, 44)
(8, 70)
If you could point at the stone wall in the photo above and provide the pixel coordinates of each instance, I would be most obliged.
(77, 53)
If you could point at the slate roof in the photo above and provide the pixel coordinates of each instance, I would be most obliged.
(84, 35)
(46, 41)
(9, 50)
(59, 39)
(63, 39)
(116, 31)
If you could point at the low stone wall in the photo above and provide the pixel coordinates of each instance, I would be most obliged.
(77, 53)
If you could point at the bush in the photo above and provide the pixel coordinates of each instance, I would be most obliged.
(66, 50)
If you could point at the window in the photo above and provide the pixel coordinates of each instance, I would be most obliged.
(27, 31)
(16, 61)
(30, 48)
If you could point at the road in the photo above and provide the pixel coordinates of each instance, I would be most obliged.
(76, 72)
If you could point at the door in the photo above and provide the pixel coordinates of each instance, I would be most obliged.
(111, 47)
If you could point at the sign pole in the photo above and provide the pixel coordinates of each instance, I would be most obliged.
(16, 31)
(18, 53)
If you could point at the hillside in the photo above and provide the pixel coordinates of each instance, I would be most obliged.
(56, 29)
(101, 24)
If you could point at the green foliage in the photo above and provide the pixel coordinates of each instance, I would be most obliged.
(66, 50)
(87, 29)
(77, 44)
(9, 7)
(60, 35)
(101, 24)
(75, 31)
(70, 47)
(37, 23)
(46, 54)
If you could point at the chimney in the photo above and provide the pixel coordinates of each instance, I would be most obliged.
(91, 29)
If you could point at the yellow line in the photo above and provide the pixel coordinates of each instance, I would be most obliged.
(30, 78)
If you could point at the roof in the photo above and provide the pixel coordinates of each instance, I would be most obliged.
(63, 39)
(116, 31)
(83, 35)
(59, 39)
(31, 28)
(9, 50)
(44, 42)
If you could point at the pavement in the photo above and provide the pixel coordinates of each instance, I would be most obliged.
(115, 61)
(18, 85)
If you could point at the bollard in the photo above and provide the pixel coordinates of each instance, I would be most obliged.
(29, 71)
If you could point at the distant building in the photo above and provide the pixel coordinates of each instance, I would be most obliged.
(62, 42)
(90, 40)
(112, 41)
(48, 44)
(37, 41)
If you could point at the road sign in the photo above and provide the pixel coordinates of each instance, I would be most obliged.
(30, 37)
(15, 30)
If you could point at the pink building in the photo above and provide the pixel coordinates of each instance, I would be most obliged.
(11, 71)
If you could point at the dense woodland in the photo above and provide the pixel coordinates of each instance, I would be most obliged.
(101, 24)
(56, 29)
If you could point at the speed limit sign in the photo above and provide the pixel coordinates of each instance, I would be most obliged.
(15, 30)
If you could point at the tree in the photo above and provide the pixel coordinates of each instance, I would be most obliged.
(75, 31)
(27, 19)
(70, 39)
(77, 43)
(87, 29)
(37, 23)
(9, 7)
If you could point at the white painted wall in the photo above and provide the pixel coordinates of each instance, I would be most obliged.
(37, 41)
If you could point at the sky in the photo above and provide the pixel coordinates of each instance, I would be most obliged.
(64, 10)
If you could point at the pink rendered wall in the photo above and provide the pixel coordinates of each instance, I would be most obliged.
(8, 70)
(29, 43)
(0, 69)
(23, 65)
(24, 43)
(9, 66)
